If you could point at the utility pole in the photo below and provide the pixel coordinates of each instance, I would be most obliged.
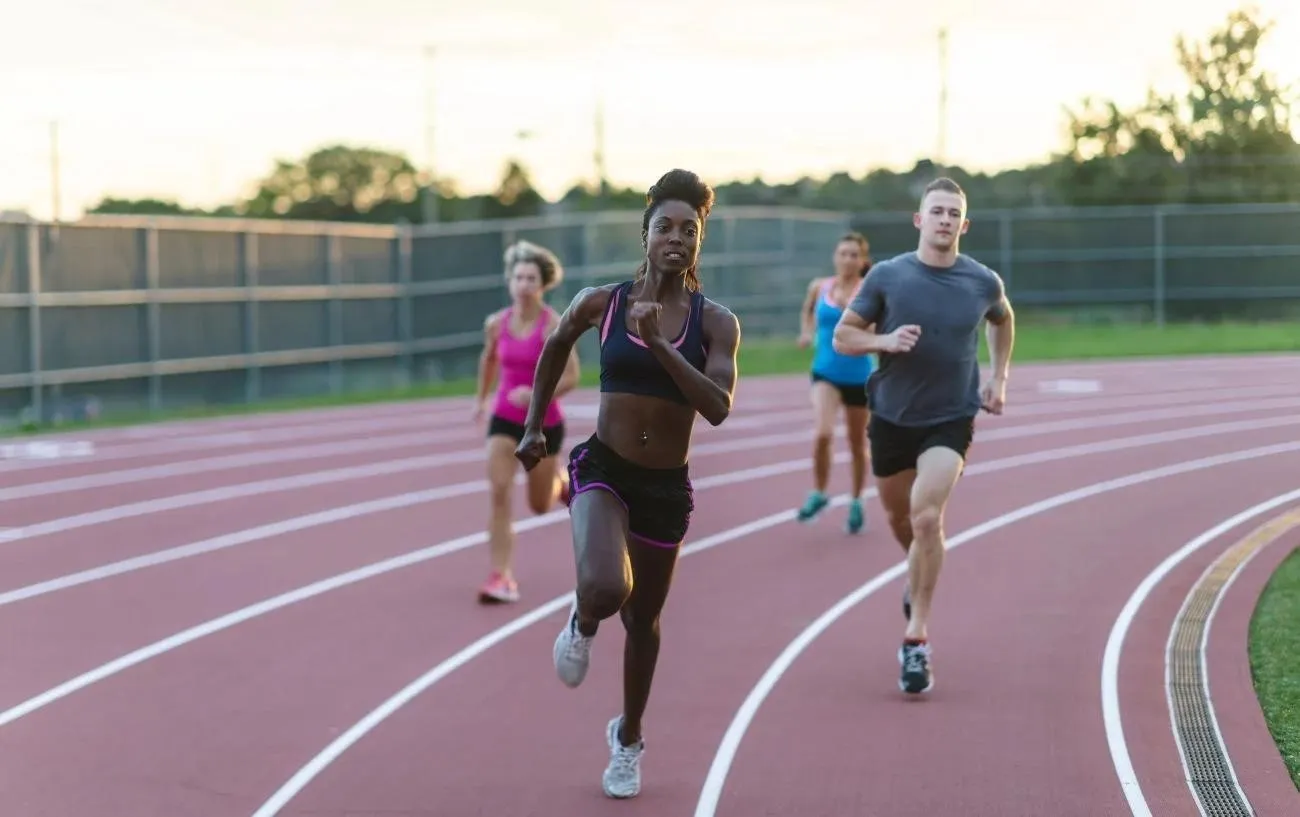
(941, 146)
(430, 198)
(598, 157)
(55, 183)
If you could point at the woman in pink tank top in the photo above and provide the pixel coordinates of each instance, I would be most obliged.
(512, 342)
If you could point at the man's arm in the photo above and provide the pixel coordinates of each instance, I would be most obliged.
(1000, 332)
(583, 312)
(710, 392)
(855, 334)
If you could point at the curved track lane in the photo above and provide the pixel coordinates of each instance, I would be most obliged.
(183, 641)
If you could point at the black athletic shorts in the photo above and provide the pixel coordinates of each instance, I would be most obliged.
(554, 434)
(659, 501)
(895, 448)
(851, 395)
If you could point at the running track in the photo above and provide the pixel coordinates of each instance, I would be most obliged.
(275, 615)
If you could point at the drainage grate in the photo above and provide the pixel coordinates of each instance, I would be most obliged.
(1209, 772)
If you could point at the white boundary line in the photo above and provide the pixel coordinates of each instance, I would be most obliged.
(732, 740)
(1110, 708)
(1205, 678)
(711, 792)
(1202, 650)
(1205, 669)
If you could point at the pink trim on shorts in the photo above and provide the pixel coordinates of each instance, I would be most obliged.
(653, 542)
(576, 487)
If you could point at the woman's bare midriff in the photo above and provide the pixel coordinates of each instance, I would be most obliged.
(649, 431)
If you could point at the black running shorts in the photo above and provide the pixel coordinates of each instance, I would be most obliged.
(554, 434)
(895, 448)
(659, 501)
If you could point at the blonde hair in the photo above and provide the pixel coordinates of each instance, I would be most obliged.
(526, 252)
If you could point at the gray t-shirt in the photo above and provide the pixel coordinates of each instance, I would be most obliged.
(938, 380)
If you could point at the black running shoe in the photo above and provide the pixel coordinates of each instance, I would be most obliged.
(916, 677)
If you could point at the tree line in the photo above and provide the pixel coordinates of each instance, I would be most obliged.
(1226, 138)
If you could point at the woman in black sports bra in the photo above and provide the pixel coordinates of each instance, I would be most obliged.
(666, 354)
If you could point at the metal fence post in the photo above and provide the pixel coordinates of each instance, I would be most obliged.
(334, 307)
(252, 341)
(1004, 245)
(405, 306)
(1158, 273)
(789, 239)
(34, 345)
(153, 315)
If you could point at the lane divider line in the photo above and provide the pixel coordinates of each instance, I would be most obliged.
(731, 740)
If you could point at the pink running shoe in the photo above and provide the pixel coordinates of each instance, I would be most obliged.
(498, 590)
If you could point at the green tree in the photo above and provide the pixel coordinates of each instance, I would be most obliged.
(339, 183)
(110, 205)
(1227, 137)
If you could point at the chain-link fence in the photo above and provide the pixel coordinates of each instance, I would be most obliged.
(159, 313)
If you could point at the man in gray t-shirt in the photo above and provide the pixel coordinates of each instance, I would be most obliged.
(921, 313)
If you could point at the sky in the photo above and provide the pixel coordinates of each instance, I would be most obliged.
(195, 101)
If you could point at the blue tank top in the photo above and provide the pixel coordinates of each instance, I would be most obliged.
(626, 363)
(845, 370)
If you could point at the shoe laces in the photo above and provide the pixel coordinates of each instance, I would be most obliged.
(915, 658)
(623, 761)
(579, 645)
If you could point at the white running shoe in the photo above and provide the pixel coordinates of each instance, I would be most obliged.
(572, 651)
(622, 777)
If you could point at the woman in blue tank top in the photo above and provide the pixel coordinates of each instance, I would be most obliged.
(838, 381)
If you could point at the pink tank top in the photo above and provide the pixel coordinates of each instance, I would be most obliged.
(518, 361)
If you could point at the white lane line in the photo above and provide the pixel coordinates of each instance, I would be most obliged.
(310, 520)
(277, 434)
(389, 467)
(1110, 707)
(362, 445)
(104, 479)
(1069, 386)
(711, 792)
(114, 478)
(398, 501)
(317, 478)
(460, 543)
(47, 450)
(437, 409)
(339, 745)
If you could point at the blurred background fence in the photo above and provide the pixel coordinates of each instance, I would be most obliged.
(150, 313)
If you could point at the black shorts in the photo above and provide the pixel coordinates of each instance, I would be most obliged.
(895, 448)
(659, 501)
(554, 434)
(850, 395)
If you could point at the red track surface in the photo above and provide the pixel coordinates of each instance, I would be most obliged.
(214, 723)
